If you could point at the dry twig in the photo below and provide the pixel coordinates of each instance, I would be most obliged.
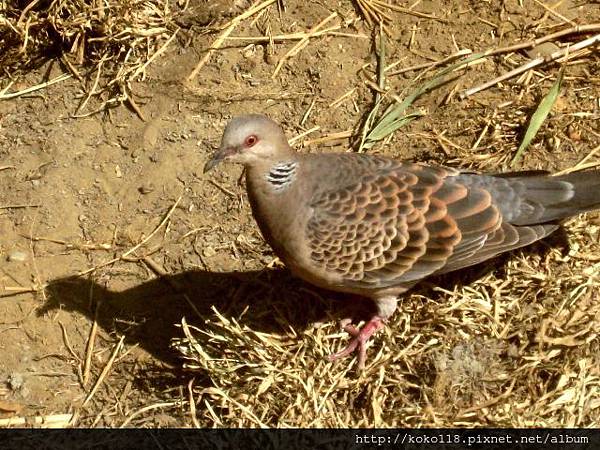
(303, 42)
(104, 372)
(559, 55)
(228, 29)
(137, 246)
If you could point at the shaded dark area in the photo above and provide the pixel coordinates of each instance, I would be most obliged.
(53, 30)
(267, 301)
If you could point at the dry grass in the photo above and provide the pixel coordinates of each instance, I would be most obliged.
(104, 44)
(514, 345)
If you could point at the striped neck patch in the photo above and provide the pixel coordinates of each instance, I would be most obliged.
(281, 175)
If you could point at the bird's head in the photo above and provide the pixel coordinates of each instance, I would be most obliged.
(248, 140)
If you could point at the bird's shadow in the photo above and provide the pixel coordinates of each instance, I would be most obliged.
(269, 301)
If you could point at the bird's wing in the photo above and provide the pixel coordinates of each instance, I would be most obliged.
(406, 222)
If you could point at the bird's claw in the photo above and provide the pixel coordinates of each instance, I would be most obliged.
(359, 340)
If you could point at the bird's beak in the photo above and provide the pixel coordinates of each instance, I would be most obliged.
(219, 156)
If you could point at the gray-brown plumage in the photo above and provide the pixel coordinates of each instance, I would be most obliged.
(374, 226)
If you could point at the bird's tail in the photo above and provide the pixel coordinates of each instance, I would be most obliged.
(553, 198)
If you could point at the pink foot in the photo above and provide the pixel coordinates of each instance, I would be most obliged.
(359, 341)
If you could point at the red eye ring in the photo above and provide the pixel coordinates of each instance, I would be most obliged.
(251, 140)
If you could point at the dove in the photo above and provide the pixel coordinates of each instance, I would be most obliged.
(374, 226)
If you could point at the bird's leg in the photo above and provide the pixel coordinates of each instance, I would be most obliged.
(359, 340)
(385, 307)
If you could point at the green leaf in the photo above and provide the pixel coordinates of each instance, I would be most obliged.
(538, 117)
(394, 116)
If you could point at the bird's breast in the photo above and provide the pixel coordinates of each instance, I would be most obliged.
(281, 217)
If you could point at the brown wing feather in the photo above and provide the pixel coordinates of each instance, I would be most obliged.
(406, 222)
(384, 229)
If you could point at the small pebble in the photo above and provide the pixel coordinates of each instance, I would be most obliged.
(209, 251)
(15, 381)
(542, 50)
(17, 256)
(146, 188)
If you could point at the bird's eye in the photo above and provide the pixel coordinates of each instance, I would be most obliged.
(251, 140)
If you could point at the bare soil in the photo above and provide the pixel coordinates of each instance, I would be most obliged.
(78, 192)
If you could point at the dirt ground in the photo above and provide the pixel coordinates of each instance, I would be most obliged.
(78, 192)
